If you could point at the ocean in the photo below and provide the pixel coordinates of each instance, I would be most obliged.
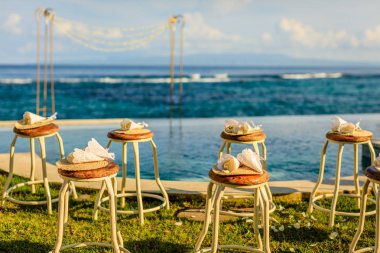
(143, 92)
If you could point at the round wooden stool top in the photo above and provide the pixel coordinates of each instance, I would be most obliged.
(373, 173)
(360, 136)
(256, 136)
(135, 134)
(38, 131)
(240, 180)
(110, 169)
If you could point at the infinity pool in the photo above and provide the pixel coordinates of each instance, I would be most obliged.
(187, 148)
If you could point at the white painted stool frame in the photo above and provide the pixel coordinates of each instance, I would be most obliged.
(255, 144)
(213, 205)
(359, 231)
(33, 182)
(336, 194)
(63, 213)
(139, 194)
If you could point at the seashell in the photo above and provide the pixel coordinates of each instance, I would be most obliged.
(31, 118)
(228, 163)
(336, 123)
(128, 124)
(250, 159)
(244, 128)
(341, 126)
(82, 156)
(231, 126)
(95, 148)
(347, 128)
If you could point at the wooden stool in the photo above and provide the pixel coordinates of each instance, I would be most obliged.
(213, 205)
(363, 137)
(255, 139)
(39, 133)
(108, 176)
(373, 175)
(138, 135)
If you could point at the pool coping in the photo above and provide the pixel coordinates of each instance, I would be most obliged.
(289, 190)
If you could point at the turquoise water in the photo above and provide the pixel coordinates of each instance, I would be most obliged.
(187, 148)
(143, 92)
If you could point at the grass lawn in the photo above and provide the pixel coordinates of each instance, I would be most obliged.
(30, 229)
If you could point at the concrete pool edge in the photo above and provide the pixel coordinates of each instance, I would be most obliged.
(287, 190)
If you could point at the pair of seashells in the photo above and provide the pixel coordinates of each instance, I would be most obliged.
(92, 153)
(31, 118)
(341, 126)
(247, 158)
(128, 124)
(235, 127)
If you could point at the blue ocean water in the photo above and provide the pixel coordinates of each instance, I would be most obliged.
(143, 92)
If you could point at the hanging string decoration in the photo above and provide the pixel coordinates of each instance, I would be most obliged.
(110, 39)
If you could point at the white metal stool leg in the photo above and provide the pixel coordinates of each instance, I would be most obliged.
(206, 224)
(266, 219)
(32, 163)
(61, 216)
(119, 237)
(112, 199)
(320, 177)
(138, 182)
(361, 217)
(221, 149)
(124, 172)
(10, 174)
(215, 226)
(337, 184)
(257, 218)
(157, 175)
(98, 200)
(44, 172)
(356, 173)
(377, 235)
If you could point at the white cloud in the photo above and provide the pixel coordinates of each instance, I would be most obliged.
(12, 24)
(310, 38)
(372, 37)
(197, 28)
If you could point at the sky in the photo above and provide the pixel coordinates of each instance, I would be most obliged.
(339, 30)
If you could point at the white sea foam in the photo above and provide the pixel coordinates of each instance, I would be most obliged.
(15, 80)
(312, 75)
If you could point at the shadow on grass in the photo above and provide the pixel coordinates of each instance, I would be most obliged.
(153, 245)
(23, 246)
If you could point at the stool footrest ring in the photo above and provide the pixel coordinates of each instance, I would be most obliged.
(329, 195)
(233, 247)
(86, 244)
(148, 210)
(27, 202)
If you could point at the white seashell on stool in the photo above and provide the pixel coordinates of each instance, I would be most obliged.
(235, 127)
(82, 156)
(31, 118)
(128, 124)
(250, 159)
(341, 126)
(95, 148)
(228, 163)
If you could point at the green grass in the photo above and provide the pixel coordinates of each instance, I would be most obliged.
(30, 229)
